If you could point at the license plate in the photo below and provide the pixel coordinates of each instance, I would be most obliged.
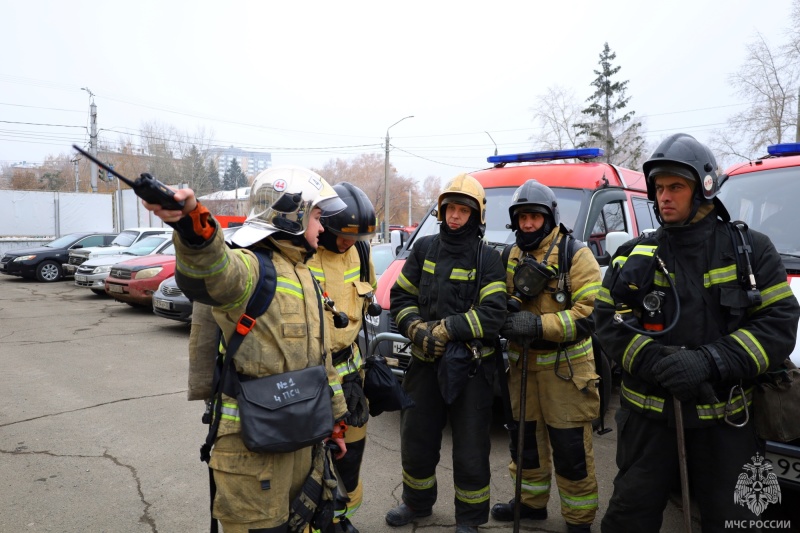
(2, 266)
(785, 467)
(80, 278)
(399, 347)
(162, 304)
(115, 288)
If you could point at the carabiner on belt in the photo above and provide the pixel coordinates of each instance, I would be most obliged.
(729, 411)
(569, 365)
(476, 359)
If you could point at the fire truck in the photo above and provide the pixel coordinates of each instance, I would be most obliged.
(764, 193)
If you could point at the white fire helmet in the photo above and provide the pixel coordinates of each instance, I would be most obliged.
(281, 200)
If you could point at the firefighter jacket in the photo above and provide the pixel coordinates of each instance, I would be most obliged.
(339, 275)
(566, 327)
(286, 337)
(439, 280)
(744, 339)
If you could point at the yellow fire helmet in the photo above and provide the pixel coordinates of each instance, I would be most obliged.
(281, 198)
(464, 189)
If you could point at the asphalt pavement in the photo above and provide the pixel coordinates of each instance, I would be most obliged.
(96, 434)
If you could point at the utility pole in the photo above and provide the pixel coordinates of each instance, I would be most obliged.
(92, 137)
(77, 181)
(386, 182)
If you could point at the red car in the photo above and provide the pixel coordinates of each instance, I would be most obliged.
(134, 281)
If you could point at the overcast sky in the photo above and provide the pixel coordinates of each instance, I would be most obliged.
(313, 81)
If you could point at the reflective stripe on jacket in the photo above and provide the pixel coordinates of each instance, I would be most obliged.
(286, 337)
(744, 340)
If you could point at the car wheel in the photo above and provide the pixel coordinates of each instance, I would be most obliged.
(48, 271)
(99, 292)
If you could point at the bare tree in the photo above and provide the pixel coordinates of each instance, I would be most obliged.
(556, 112)
(431, 189)
(768, 82)
(793, 48)
(367, 173)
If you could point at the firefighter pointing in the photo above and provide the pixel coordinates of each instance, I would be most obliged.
(254, 490)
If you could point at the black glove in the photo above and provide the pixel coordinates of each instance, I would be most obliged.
(644, 370)
(682, 373)
(522, 327)
(357, 409)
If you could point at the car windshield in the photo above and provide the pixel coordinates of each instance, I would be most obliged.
(497, 201)
(145, 246)
(766, 202)
(169, 250)
(125, 238)
(381, 257)
(62, 242)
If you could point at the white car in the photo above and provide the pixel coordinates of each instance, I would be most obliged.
(122, 242)
(92, 274)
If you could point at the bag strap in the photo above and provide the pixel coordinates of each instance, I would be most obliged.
(506, 254)
(363, 256)
(478, 272)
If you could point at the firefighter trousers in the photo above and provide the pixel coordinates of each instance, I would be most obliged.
(254, 490)
(348, 469)
(558, 415)
(647, 458)
(421, 428)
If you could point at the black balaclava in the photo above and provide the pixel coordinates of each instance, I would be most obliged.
(467, 229)
(328, 240)
(530, 241)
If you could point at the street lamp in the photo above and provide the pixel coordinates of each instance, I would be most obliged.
(386, 182)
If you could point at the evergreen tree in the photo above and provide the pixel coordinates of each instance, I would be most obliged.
(212, 172)
(234, 177)
(606, 124)
(194, 172)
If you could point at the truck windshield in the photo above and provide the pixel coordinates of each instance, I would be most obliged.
(497, 201)
(766, 201)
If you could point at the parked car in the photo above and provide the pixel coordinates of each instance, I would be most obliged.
(170, 302)
(121, 242)
(44, 262)
(136, 280)
(763, 193)
(382, 255)
(93, 273)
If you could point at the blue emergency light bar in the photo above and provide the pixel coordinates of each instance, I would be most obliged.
(575, 153)
(778, 150)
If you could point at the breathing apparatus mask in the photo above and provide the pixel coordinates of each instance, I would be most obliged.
(632, 288)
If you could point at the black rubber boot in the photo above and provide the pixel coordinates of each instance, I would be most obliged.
(504, 512)
(403, 514)
(466, 529)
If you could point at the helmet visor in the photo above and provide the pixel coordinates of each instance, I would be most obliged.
(331, 206)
